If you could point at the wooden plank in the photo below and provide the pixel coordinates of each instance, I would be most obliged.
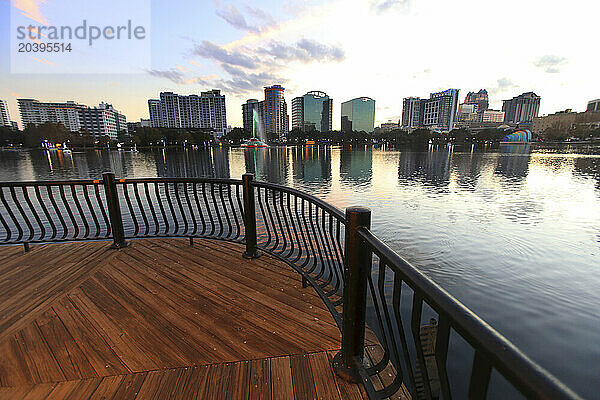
(211, 318)
(130, 386)
(121, 343)
(281, 378)
(74, 390)
(73, 363)
(311, 330)
(14, 393)
(151, 385)
(40, 391)
(260, 379)
(96, 350)
(238, 385)
(13, 366)
(302, 377)
(324, 376)
(39, 358)
(196, 384)
(350, 391)
(107, 387)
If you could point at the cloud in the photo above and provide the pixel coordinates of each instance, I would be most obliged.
(550, 63)
(382, 7)
(31, 10)
(243, 82)
(171, 74)
(215, 52)
(502, 85)
(235, 18)
(305, 50)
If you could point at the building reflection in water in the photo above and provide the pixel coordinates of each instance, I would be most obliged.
(431, 168)
(192, 163)
(356, 165)
(311, 166)
(513, 161)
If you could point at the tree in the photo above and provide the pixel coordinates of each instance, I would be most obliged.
(236, 135)
(53, 133)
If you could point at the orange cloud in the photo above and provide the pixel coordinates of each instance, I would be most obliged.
(43, 61)
(31, 9)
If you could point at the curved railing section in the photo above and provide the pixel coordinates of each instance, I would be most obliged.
(37, 212)
(400, 331)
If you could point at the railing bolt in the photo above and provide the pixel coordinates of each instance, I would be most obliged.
(357, 267)
(249, 217)
(114, 211)
(304, 282)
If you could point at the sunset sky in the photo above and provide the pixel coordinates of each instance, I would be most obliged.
(384, 49)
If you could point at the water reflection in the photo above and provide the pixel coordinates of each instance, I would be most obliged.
(356, 165)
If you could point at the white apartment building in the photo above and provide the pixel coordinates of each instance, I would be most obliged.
(4, 114)
(34, 112)
(103, 120)
(178, 111)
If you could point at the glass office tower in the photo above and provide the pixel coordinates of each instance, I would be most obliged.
(358, 115)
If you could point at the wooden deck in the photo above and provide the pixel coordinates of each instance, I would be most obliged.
(161, 320)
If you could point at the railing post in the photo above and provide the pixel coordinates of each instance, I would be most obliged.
(249, 217)
(357, 267)
(114, 211)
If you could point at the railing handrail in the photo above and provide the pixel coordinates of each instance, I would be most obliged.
(51, 183)
(333, 210)
(528, 376)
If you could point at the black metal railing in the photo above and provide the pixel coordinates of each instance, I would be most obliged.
(380, 302)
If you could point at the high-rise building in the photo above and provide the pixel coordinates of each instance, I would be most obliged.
(480, 99)
(248, 110)
(593, 105)
(358, 115)
(34, 112)
(467, 113)
(312, 112)
(192, 111)
(490, 116)
(4, 114)
(440, 109)
(103, 120)
(154, 111)
(412, 113)
(521, 109)
(275, 117)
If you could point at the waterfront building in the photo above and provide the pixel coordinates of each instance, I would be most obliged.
(206, 111)
(490, 116)
(593, 105)
(103, 120)
(312, 112)
(388, 126)
(248, 109)
(467, 113)
(4, 114)
(134, 126)
(412, 113)
(34, 112)
(439, 110)
(358, 115)
(154, 111)
(521, 109)
(275, 118)
(479, 99)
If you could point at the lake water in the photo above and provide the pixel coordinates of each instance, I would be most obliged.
(513, 233)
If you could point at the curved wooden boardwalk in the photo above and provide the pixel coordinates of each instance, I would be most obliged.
(161, 320)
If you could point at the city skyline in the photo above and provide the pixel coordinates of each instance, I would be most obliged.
(240, 48)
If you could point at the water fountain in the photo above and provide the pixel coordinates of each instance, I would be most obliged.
(258, 138)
